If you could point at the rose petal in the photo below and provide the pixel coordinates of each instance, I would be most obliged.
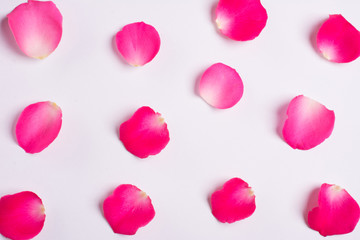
(240, 20)
(37, 27)
(127, 209)
(138, 43)
(337, 213)
(22, 215)
(38, 126)
(221, 86)
(308, 124)
(234, 202)
(145, 133)
(338, 40)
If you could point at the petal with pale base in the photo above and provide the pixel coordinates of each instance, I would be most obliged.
(233, 202)
(240, 20)
(337, 213)
(308, 124)
(338, 40)
(22, 215)
(221, 86)
(127, 209)
(37, 27)
(145, 133)
(38, 126)
(138, 43)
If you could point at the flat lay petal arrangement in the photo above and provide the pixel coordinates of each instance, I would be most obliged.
(37, 28)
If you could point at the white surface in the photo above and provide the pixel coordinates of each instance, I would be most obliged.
(97, 91)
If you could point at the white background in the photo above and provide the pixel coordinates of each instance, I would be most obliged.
(97, 91)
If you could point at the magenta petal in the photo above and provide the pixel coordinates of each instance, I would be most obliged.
(308, 124)
(234, 202)
(127, 209)
(338, 40)
(241, 20)
(145, 133)
(138, 43)
(37, 27)
(221, 86)
(22, 215)
(337, 213)
(38, 126)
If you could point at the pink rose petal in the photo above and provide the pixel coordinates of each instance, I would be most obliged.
(38, 126)
(337, 213)
(138, 43)
(37, 27)
(308, 124)
(338, 40)
(234, 202)
(241, 20)
(22, 215)
(221, 86)
(127, 209)
(145, 133)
